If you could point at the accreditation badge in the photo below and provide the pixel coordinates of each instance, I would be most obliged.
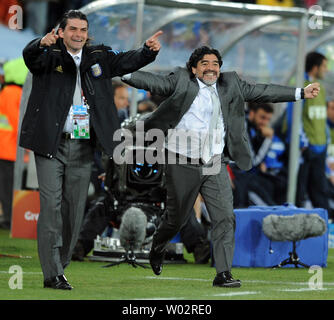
(80, 121)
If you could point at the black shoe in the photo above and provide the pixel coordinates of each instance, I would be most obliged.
(156, 260)
(59, 282)
(225, 279)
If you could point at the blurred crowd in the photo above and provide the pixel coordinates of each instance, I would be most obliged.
(42, 15)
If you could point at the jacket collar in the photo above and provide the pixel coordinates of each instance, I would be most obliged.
(86, 59)
(224, 98)
(76, 55)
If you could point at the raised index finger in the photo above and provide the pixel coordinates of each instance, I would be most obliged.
(156, 35)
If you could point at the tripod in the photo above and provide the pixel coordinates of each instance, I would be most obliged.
(129, 258)
(294, 259)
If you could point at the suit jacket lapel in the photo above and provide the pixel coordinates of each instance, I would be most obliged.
(85, 61)
(224, 99)
(191, 95)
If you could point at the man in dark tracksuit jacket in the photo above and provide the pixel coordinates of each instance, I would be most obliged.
(65, 70)
(260, 138)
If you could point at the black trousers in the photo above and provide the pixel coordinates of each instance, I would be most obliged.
(264, 186)
(312, 180)
(6, 188)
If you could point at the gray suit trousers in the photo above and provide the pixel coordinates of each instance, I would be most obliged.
(63, 185)
(184, 182)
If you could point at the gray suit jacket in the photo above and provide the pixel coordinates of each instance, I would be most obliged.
(180, 89)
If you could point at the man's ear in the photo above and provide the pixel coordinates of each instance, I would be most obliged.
(251, 114)
(193, 69)
(60, 33)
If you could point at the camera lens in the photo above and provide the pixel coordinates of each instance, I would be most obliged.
(145, 171)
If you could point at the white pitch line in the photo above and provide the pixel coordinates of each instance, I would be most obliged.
(284, 282)
(175, 278)
(29, 272)
(230, 294)
(303, 289)
(162, 298)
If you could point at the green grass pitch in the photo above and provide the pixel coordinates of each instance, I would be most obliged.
(177, 282)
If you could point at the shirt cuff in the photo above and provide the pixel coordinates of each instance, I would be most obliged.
(298, 94)
(126, 77)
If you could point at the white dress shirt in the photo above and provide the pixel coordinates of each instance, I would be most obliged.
(190, 137)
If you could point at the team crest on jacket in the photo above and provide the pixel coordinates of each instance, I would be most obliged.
(59, 69)
(96, 70)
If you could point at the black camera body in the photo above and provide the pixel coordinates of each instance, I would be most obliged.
(135, 184)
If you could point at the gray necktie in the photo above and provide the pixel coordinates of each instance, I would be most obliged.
(77, 98)
(214, 118)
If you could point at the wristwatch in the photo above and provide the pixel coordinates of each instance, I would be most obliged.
(302, 94)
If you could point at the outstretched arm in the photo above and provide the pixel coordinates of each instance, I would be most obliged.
(121, 63)
(275, 93)
(156, 84)
(265, 92)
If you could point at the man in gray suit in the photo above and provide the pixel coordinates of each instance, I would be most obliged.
(210, 105)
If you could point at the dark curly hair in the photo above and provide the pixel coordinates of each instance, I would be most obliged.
(198, 55)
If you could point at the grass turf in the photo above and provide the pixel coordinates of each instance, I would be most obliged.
(187, 281)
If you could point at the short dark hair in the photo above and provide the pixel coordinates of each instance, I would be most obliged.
(255, 106)
(313, 59)
(118, 84)
(72, 14)
(198, 55)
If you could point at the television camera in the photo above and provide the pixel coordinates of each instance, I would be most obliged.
(134, 203)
